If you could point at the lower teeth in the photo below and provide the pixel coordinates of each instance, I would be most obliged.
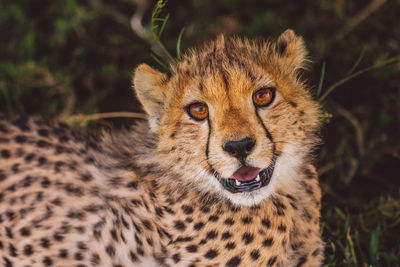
(237, 182)
(258, 178)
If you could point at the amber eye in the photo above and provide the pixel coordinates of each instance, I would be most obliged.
(198, 111)
(264, 96)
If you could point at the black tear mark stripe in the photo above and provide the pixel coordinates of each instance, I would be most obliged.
(268, 134)
(208, 141)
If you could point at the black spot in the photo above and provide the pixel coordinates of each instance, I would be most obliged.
(47, 261)
(225, 236)
(95, 259)
(255, 254)
(63, 253)
(247, 238)
(280, 207)
(272, 260)
(268, 242)
(159, 212)
(133, 256)
(10, 215)
(29, 157)
(20, 139)
(110, 250)
(138, 240)
(136, 202)
(2, 176)
(293, 104)
(42, 160)
(5, 153)
(187, 209)
(213, 218)
(8, 262)
(13, 250)
(235, 261)
(306, 215)
(9, 233)
(25, 231)
(229, 221)
(28, 250)
(301, 261)
(198, 226)
(205, 209)
(282, 228)
(43, 144)
(58, 237)
(230, 245)
(43, 132)
(266, 223)
(45, 243)
(316, 252)
(114, 235)
(246, 220)
(179, 225)
(211, 254)
(140, 251)
(132, 185)
(169, 210)
(191, 248)
(176, 257)
(78, 256)
(212, 234)
(81, 245)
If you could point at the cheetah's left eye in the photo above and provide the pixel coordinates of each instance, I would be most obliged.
(264, 96)
(198, 111)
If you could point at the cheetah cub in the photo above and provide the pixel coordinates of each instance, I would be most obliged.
(219, 175)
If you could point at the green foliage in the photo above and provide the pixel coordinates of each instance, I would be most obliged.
(157, 27)
(62, 58)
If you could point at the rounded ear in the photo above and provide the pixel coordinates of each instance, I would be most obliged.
(149, 85)
(291, 49)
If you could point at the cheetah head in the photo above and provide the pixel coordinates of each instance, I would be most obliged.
(233, 119)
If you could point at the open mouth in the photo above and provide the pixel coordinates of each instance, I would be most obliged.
(247, 179)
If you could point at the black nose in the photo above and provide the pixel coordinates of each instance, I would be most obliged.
(240, 149)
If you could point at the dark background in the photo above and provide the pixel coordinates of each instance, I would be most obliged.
(60, 58)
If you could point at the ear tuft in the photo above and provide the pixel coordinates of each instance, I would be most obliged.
(150, 88)
(292, 49)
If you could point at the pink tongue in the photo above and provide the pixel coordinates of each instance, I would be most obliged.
(246, 173)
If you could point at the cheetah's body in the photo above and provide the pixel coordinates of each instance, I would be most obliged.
(71, 199)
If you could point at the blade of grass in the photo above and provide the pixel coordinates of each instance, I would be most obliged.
(321, 79)
(360, 57)
(374, 245)
(358, 73)
(351, 244)
(159, 61)
(163, 26)
(178, 44)
(7, 97)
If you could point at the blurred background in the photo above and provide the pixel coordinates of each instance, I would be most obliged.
(72, 58)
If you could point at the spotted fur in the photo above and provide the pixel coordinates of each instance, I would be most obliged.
(151, 195)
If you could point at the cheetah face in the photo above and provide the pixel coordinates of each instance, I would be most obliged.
(233, 119)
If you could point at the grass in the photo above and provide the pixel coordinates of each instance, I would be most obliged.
(74, 60)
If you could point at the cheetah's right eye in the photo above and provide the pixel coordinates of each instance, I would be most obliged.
(198, 111)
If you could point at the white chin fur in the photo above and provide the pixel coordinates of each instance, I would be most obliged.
(284, 177)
